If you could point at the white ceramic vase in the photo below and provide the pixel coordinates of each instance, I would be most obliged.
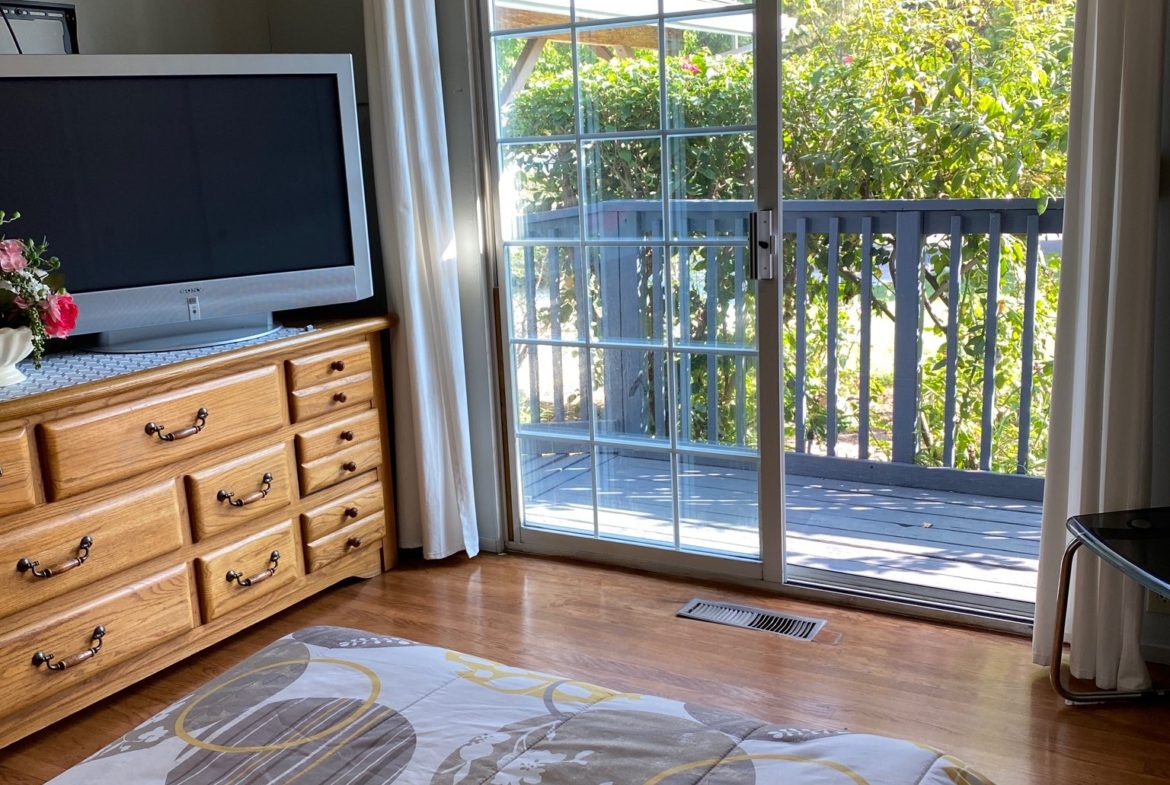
(15, 345)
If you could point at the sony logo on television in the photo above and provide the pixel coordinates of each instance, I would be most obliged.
(190, 290)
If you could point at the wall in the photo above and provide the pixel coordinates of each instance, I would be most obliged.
(171, 26)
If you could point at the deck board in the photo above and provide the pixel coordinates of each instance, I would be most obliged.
(988, 546)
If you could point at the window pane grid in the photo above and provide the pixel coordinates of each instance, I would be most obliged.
(612, 316)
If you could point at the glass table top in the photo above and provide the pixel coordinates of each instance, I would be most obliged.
(1137, 542)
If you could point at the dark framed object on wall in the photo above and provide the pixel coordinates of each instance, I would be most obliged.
(32, 27)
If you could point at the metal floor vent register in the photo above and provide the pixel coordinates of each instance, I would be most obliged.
(800, 627)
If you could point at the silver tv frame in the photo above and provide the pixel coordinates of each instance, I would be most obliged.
(200, 312)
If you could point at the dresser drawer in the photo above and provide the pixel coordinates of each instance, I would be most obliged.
(340, 466)
(73, 549)
(227, 494)
(17, 491)
(93, 449)
(328, 439)
(332, 396)
(221, 572)
(136, 619)
(364, 534)
(356, 503)
(329, 365)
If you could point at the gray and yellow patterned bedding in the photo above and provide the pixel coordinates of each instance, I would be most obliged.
(346, 707)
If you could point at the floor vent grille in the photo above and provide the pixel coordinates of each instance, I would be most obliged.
(799, 627)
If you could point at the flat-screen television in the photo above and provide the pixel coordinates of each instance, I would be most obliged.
(188, 197)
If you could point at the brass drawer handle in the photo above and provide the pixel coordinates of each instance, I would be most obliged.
(351, 512)
(353, 542)
(26, 564)
(337, 365)
(238, 577)
(254, 496)
(156, 429)
(46, 658)
(340, 397)
(347, 436)
(349, 466)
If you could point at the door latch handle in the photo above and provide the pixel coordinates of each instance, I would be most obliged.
(762, 250)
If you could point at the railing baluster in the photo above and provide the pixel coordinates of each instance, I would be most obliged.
(990, 319)
(531, 349)
(554, 322)
(657, 302)
(833, 286)
(801, 263)
(740, 360)
(1028, 352)
(866, 337)
(953, 297)
(584, 327)
(712, 293)
(686, 427)
(907, 333)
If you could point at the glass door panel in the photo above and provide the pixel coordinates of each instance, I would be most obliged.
(924, 266)
(627, 176)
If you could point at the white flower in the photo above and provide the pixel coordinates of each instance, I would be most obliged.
(531, 767)
(480, 746)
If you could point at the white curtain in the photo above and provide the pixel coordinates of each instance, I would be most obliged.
(1100, 447)
(436, 506)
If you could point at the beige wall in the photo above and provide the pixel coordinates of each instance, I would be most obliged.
(172, 26)
(303, 26)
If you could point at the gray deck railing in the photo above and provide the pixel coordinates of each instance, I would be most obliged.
(630, 225)
(910, 223)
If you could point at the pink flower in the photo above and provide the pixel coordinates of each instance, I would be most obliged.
(60, 315)
(847, 59)
(690, 67)
(12, 256)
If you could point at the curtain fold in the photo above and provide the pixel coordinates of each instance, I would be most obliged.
(1100, 445)
(436, 505)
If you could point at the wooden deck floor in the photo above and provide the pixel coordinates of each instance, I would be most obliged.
(980, 545)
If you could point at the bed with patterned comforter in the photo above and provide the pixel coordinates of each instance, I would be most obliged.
(346, 707)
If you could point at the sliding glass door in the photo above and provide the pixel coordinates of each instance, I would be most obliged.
(628, 171)
(648, 409)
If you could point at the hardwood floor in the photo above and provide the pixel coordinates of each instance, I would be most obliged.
(972, 693)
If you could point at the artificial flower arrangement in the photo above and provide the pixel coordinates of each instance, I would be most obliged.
(32, 291)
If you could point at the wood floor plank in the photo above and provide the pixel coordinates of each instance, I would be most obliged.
(893, 531)
(975, 694)
(926, 494)
(970, 512)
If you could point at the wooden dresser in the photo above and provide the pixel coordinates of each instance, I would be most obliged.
(150, 515)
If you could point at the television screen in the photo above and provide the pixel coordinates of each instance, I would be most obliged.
(148, 180)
